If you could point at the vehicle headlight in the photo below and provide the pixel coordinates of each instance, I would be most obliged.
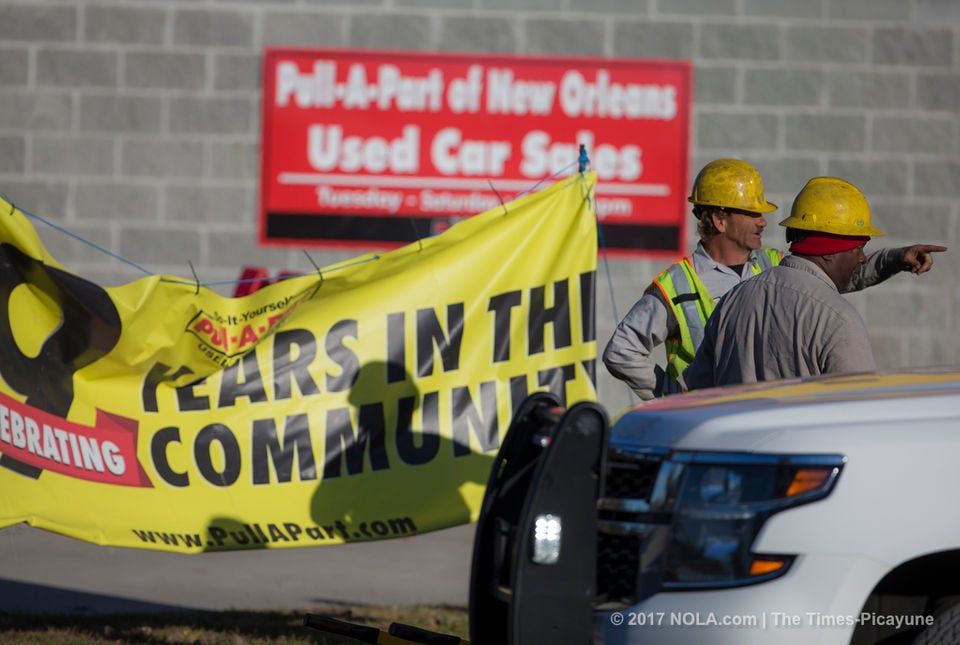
(720, 503)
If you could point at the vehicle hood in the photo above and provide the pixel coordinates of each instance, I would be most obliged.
(745, 416)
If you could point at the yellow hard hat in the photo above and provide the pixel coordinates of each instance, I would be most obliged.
(831, 205)
(730, 183)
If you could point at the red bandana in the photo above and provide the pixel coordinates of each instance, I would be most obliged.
(827, 244)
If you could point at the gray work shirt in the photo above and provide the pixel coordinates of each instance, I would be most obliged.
(628, 354)
(789, 321)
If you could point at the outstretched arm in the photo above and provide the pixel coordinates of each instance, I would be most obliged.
(887, 262)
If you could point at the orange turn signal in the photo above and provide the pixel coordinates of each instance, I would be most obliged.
(808, 479)
(763, 567)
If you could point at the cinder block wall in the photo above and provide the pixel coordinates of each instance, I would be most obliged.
(135, 124)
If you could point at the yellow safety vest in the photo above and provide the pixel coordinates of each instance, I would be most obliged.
(692, 305)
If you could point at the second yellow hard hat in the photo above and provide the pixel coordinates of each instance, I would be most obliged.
(831, 205)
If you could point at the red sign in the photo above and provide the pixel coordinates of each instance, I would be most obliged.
(372, 148)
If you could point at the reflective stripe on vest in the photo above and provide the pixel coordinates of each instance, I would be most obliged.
(692, 305)
(764, 259)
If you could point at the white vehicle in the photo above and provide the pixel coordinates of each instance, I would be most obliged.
(816, 511)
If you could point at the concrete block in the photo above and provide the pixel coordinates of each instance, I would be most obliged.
(234, 160)
(433, 4)
(904, 303)
(932, 347)
(116, 113)
(478, 33)
(213, 28)
(165, 70)
(875, 177)
(212, 116)
(913, 222)
(139, 25)
(633, 39)
(827, 44)
(118, 201)
(522, 5)
(784, 86)
(697, 7)
(740, 41)
(783, 177)
(937, 178)
(391, 31)
(826, 132)
(868, 89)
(14, 66)
(913, 46)
(14, 156)
(237, 72)
(564, 37)
(784, 8)
(76, 155)
(937, 12)
(297, 29)
(210, 204)
(889, 346)
(35, 110)
(237, 250)
(77, 68)
(35, 22)
(160, 247)
(872, 10)
(743, 130)
(952, 215)
(632, 8)
(925, 135)
(341, 3)
(162, 158)
(938, 91)
(716, 84)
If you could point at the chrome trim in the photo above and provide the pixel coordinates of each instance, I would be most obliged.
(620, 504)
(622, 528)
(647, 453)
(755, 459)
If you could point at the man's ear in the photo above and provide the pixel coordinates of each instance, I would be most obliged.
(719, 219)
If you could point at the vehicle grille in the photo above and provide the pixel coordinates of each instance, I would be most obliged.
(629, 478)
(623, 509)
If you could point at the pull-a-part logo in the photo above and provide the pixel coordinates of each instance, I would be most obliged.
(223, 338)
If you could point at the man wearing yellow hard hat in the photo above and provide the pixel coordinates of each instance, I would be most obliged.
(792, 321)
(730, 204)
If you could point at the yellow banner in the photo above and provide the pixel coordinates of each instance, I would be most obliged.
(365, 401)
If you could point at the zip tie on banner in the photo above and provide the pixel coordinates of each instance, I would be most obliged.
(195, 277)
(413, 227)
(499, 198)
(315, 266)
